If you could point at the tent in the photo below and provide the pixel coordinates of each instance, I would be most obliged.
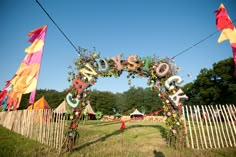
(61, 108)
(89, 109)
(91, 115)
(40, 104)
(136, 113)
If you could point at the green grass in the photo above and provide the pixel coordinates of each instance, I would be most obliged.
(105, 139)
(15, 145)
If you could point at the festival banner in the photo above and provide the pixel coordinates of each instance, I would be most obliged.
(26, 78)
(228, 32)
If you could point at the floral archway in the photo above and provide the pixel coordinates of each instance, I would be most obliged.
(161, 74)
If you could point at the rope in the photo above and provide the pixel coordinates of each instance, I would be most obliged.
(57, 26)
(201, 41)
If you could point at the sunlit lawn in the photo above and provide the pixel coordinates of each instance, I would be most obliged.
(105, 139)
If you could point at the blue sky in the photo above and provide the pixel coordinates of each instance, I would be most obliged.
(141, 27)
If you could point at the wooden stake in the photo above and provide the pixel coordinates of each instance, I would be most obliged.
(230, 128)
(199, 129)
(185, 129)
(205, 119)
(209, 119)
(194, 127)
(189, 126)
(225, 126)
(216, 128)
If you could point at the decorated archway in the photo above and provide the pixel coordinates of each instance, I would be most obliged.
(161, 74)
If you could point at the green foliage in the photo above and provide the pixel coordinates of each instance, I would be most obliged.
(213, 86)
(124, 103)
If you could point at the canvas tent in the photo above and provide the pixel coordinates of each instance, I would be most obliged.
(91, 115)
(90, 109)
(40, 104)
(136, 113)
(61, 108)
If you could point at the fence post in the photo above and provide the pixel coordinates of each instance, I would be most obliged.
(194, 127)
(232, 117)
(205, 119)
(216, 129)
(213, 137)
(199, 129)
(185, 128)
(230, 128)
(225, 124)
(189, 126)
(203, 132)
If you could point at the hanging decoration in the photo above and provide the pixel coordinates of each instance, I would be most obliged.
(161, 74)
(224, 23)
(99, 115)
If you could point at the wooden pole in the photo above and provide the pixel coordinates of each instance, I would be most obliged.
(189, 126)
(230, 128)
(216, 128)
(209, 119)
(217, 124)
(225, 125)
(185, 129)
(194, 127)
(222, 127)
(203, 131)
(199, 130)
(205, 119)
(232, 117)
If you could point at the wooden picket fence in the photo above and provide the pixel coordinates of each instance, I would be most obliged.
(206, 126)
(43, 126)
(210, 126)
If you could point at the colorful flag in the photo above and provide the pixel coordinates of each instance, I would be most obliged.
(26, 78)
(228, 32)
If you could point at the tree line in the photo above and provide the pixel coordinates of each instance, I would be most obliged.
(145, 100)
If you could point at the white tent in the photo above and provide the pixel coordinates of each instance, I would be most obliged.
(136, 113)
(61, 108)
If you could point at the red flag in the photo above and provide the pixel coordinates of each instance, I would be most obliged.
(224, 23)
(122, 126)
(222, 19)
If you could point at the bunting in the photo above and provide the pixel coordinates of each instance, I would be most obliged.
(228, 32)
(26, 78)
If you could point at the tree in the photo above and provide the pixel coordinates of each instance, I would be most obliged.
(213, 86)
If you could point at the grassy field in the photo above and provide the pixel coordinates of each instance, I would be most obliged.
(105, 139)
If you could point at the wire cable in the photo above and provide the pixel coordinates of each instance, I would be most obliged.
(57, 26)
(201, 41)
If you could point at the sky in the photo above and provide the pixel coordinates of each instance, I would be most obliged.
(141, 27)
